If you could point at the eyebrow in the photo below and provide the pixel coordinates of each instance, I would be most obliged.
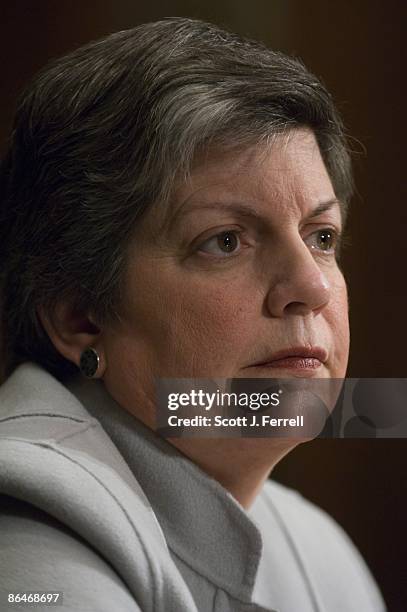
(324, 206)
(247, 211)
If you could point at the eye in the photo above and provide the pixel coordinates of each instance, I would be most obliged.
(222, 244)
(325, 240)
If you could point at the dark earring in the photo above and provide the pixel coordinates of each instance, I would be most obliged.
(89, 362)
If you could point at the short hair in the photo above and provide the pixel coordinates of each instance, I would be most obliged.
(101, 134)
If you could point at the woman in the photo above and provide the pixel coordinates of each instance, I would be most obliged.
(172, 207)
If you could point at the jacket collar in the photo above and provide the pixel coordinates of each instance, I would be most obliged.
(178, 504)
(55, 456)
(202, 522)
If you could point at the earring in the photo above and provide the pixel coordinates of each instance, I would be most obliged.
(89, 362)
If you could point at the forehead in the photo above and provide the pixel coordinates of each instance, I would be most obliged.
(284, 175)
(289, 158)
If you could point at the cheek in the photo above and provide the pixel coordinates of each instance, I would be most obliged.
(211, 325)
(185, 327)
(338, 320)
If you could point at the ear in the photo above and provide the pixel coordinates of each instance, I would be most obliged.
(71, 331)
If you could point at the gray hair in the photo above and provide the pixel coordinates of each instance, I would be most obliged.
(100, 136)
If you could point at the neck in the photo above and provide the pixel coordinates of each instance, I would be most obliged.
(240, 465)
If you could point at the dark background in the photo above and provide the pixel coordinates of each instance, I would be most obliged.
(357, 48)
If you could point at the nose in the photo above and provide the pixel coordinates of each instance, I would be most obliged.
(300, 287)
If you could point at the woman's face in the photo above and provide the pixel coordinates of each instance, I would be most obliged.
(240, 270)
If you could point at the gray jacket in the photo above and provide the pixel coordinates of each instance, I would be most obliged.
(94, 504)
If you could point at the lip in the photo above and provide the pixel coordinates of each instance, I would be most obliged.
(301, 358)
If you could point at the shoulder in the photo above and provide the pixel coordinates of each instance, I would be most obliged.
(76, 490)
(305, 519)
(322, 546)
(40, 554)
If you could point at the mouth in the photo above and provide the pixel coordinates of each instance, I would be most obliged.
(301, 360)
